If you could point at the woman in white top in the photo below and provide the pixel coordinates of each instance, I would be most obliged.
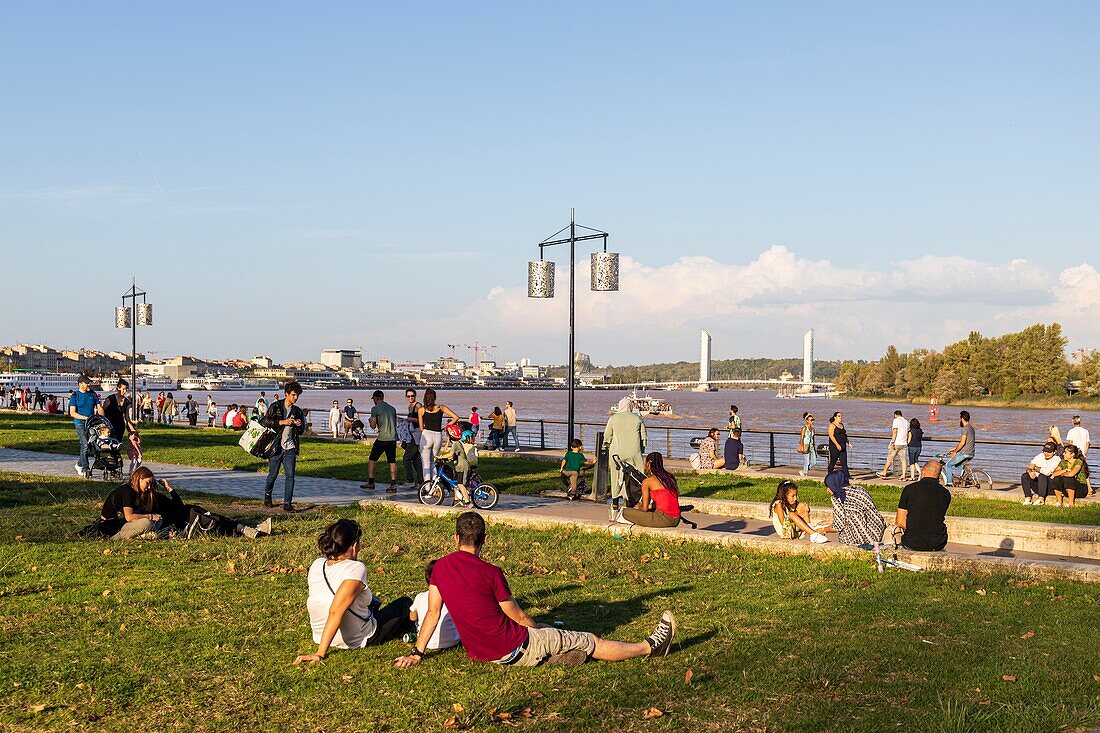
(343, 613)
(334, 419)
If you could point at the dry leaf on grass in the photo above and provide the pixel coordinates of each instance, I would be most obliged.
(451, 722)
(1008, 677)
(687, 677)
(653, 713)
(457, 707)
(1028, 635)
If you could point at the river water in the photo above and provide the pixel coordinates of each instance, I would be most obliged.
(760, 410)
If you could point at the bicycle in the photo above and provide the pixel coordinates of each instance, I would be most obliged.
(968, 477)
(433, 491)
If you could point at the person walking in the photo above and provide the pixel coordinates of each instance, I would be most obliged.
(496, 430)
(410, 439)
(1078, 436)
(160, 408)
(838, 444)
(733, 422)
(510, 422)
(147, 407)
(899, 435)
(625, 437)
(334, 419)
(170, 409)
(913, 446)
(82, 405)
(806, 445)
(191, 409)
(350, 416)
(211, 411)
(383, 418)
(287, 419)
(430, 419)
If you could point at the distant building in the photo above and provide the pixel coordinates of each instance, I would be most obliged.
(342, 358)
(524, 362)
(530, 370)
(263, 362)
(383, 365)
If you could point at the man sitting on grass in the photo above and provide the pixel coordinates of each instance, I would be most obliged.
(494, 628)
(921, 511)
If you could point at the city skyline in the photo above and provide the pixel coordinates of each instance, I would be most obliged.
(882, 174)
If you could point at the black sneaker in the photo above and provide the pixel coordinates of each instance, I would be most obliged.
(369, 485)
(661, 639)
(267, 503)
(288, 508)
(393, 488)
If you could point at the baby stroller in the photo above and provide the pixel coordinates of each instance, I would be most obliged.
(103, 448)
(357, 431)
(630, 481)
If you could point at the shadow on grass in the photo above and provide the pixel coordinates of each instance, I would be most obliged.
(706, 491)
(601, 617)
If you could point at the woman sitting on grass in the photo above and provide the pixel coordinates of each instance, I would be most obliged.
(660, 502)
(1071, 478)
(343, 612)
(136, 508)
(791, 517)
(855, 516)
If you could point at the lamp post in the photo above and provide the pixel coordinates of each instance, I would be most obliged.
(604, 278)
(137, 314)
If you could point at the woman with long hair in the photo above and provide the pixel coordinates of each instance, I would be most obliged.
(660, 502)
(791, 517)
(130, 510)
(430, 416)
(838, 444)
(855, 517)
(914, 444)
(343, 612)
(806, 445)
(496, 430)
(1071, 479)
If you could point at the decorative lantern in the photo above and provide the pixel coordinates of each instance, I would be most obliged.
(145, 313)
(540, 279)
(605, 271)
(122, 316)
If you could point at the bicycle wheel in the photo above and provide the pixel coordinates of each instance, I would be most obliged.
(484, 496)
(431, 492)
(981, 479)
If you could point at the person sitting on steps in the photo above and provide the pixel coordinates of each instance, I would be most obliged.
(791, 517)
(660, 502)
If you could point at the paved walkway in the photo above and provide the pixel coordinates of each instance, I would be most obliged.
(549, 510)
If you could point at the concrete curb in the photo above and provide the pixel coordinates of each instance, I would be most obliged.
(946, 561)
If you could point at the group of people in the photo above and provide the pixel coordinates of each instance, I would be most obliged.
(26, 400)
(467, 601)
(1060, 472)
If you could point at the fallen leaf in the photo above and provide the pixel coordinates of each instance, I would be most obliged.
(38, 708)
(107, 551)
(980, 591)
(1096, 677)
(106, 593)
(457, 707)
(18, 538)
(122, 627)
(346, 678)
(1028, 635)
(581, 578)
(985, 702)
(538, 695)
(1008, 677)
(231, 567)
(652, 713)
(451, 722)
(645, 558)
(380, 570)
(687, 677)
(396, 549)
(504, 716)
(526, 712)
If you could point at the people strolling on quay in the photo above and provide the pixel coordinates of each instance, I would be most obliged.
(897, 449)
(430, 421)
(838, 445)
(807, 446)
(914, 444)
(383, 419)
(287, 420)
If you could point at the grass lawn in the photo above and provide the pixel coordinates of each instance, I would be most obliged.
(177, 635)
(336, 459)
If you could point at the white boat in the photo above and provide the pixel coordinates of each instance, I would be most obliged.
(224, 384)
(646, 405)
(192, 384)
(156, 383)
(49, 383)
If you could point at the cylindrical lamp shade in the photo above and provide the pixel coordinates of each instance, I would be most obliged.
(145, 314)
(605, 271)
(540, 279)
(122, 316)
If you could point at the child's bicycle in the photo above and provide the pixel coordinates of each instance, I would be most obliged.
(434, 491)
(882, 548)
(582, 486)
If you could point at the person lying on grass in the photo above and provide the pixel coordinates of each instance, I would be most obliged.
(137, 509)
(495, 629)
(791, 517)
(343, 612)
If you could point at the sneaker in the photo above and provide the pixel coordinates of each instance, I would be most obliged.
(818, 539)
(1027, 501)
(801, 473)
(267, 503)
(393, 488)
(661, 639)
(264, 527)
(288, 508)
(620, 520)
(516, 450)
(369, 485)
(79, 470)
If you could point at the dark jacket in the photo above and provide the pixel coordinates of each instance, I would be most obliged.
(276, 412)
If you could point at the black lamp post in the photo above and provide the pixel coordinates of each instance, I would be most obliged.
(141, 314)
(540, 284)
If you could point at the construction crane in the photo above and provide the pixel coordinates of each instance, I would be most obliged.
(478, 349)
(452, 347)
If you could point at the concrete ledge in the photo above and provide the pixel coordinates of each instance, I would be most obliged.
(946, 561)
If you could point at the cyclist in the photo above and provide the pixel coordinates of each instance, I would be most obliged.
(963, 450)
(465, 461)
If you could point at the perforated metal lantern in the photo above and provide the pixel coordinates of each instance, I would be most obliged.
(145, 314)
(605, 271)
(540, 279)
(122, 316)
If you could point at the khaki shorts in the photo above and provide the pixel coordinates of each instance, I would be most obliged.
(546, 642)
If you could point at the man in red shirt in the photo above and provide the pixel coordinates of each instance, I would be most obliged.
(494, 628)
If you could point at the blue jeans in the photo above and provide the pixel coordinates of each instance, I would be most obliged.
(82, 436)
(515, 436)
(951, 464)
(809, 459)
(286, 459)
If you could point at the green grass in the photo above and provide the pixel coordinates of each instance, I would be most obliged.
(200, 634)
(337, 459)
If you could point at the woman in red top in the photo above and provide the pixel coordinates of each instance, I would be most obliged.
(660, 504)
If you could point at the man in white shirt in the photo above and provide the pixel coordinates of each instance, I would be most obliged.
(1036, 479)
(899, 436)
(1078, 436)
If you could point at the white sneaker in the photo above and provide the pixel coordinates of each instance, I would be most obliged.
(1027, 501)
(619, 519)
(79, 470)
(516, 450)
(801, 473)
(818, 539)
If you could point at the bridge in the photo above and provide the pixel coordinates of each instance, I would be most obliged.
(791, 385)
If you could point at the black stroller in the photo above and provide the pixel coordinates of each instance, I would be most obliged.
(357, 430)
(630, 481)
(103, 448)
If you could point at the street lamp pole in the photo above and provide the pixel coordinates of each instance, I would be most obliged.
(540, 284)
(131, 317)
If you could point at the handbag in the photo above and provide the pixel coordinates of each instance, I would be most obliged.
(802, 446)
(695, 461)
(258, 440)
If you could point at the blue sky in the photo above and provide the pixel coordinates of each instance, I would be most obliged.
(283, 178)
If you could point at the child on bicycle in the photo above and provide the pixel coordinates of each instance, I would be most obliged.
(465, 462)
(572, 464)
(445, 635)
